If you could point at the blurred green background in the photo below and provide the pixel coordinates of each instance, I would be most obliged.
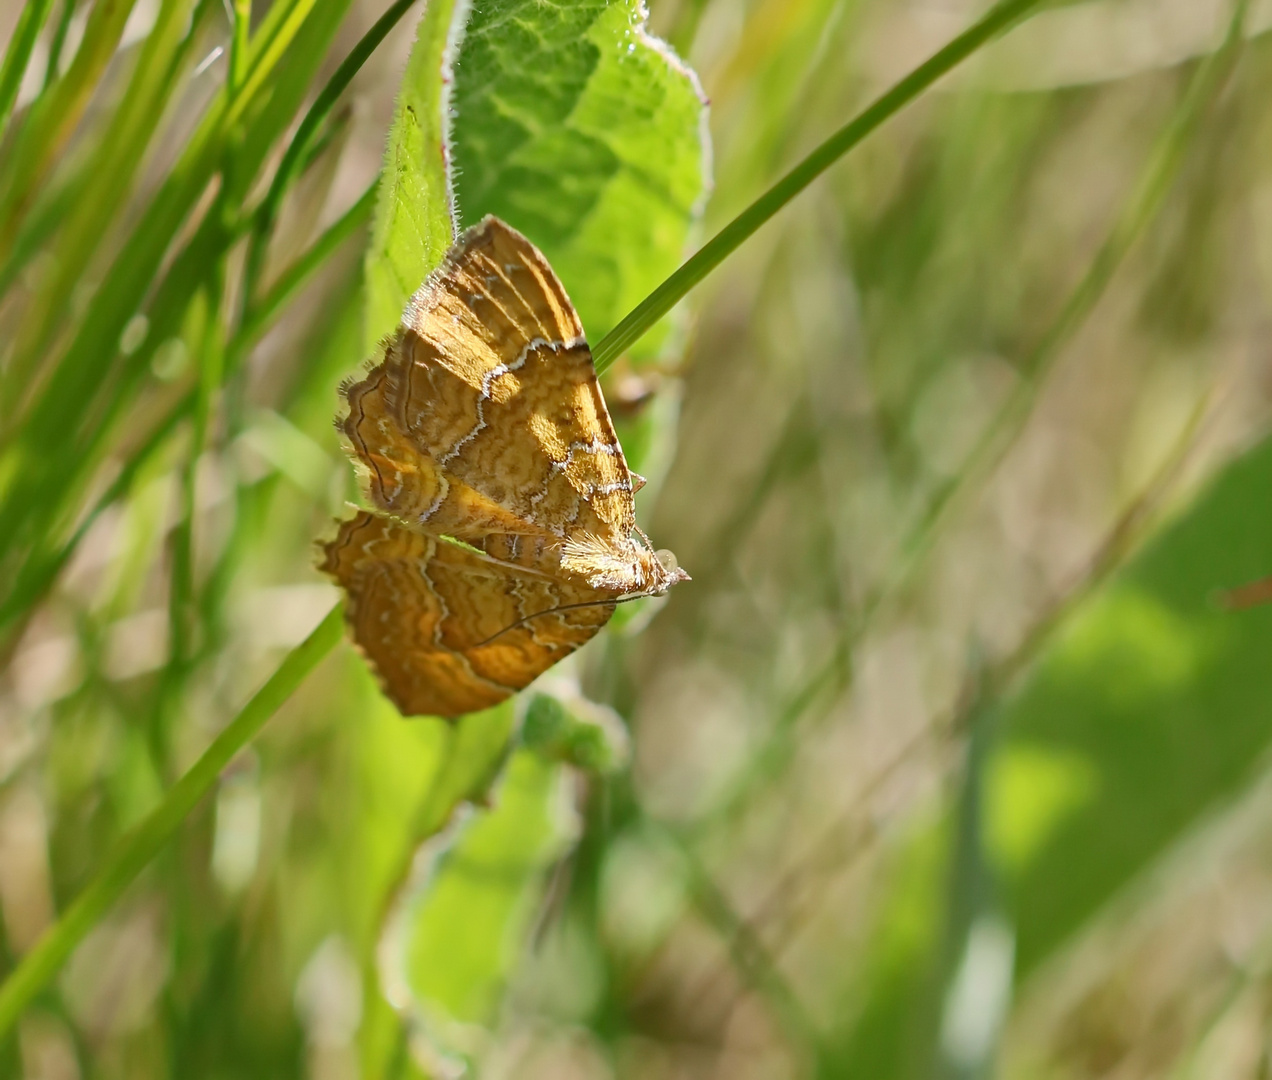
(951, 761)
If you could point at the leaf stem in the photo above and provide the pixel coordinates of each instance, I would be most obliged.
(262, 313)
(30, 22)
(141, 845)
(1166, 160)
(294, 157)
(240, 43)
(53, 64)
(728, 239)
(38, 575)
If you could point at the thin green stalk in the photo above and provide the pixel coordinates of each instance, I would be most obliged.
(141, 845)
(831, 677)
(264, 56)
(83, 367)
(51, 120)
(239, 42)
(127, 282)
(728, 239)
(18, 55)
(49, 214)
(41, 447)
(79, 454)
(182, 605)
(53, 65)
(297, 151)
(171, 302)
(261, 315)
(113, 167)
(1165, 162)
(37, 577)
(43, 221)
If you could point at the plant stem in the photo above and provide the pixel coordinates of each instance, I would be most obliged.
(240, 43)
(262, 313)
(1166, 160)
(294, 157)
(728, 239)
(136, 850)
(30, 22)
(53, 65)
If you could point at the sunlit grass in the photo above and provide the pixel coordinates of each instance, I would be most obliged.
(950, 394)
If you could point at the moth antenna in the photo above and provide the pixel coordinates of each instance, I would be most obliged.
(641, 533)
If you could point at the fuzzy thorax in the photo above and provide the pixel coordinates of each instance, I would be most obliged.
(629, 568)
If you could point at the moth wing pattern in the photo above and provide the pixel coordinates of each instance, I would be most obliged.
(449, 630)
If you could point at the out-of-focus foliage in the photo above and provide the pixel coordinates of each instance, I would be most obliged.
(462, 924)
(950, 760)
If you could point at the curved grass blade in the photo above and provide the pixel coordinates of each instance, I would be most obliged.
(35, 578)
(263, 313)
(295, 156)
(57, 42)
(1166, 161)
(240, 42)
(54, 116)
(136, 850)
(45, 456)
(719, 247)
(38, 576)
(115, 162)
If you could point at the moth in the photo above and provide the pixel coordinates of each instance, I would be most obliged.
(502, 531)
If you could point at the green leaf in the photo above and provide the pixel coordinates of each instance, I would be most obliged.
(577, 127)
(465, 917)
(413, 226)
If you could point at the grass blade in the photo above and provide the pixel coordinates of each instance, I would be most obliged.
(728, 239)
(139, 847)
(294, 157)
(1168, 157)
(53, 117)
(30, 23)
(263, 313)
(114, 165)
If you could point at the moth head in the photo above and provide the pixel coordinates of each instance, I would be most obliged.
(665, 572)
(654, 572)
